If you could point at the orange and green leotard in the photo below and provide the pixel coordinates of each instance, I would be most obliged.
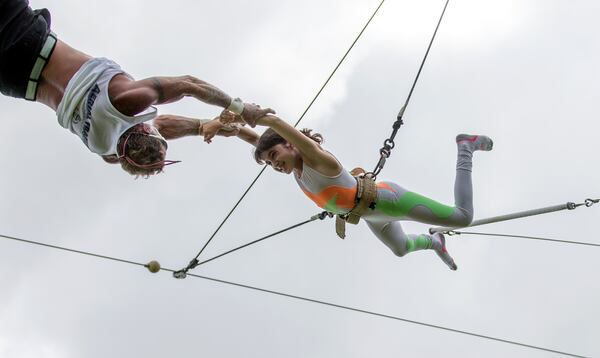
(337, 195)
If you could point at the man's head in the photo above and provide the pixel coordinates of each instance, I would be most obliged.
(141, 151)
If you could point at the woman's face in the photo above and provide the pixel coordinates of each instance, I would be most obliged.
(282, 157)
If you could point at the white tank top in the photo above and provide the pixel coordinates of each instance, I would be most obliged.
(86, 110)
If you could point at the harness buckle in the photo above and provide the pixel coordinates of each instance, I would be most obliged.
(366, 197)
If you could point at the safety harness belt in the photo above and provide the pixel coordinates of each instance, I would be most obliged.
(366, 197)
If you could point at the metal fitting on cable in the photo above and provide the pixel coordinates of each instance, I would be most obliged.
(180, 274)
(381, 161)
(183, 272)
(400, 115)
(322, 215)
(587, 203)
(384, 153)
(388, 145)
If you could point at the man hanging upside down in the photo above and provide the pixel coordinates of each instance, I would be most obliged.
(93, 97)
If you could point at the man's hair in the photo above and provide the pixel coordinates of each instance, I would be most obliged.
(142, 150)
(270, 138)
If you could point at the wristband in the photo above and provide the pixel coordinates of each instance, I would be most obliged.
(236, 106)
(201, 123)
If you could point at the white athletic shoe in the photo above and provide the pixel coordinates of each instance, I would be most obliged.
(475, 142)
(439, 245)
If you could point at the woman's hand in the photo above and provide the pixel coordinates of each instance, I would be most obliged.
(216, 127)
(250, 115)
(252, 112)
(228, 117)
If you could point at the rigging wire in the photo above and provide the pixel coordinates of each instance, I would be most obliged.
(382, 315)
(194, 262)
(306, 299)
(321, 216)
(453, 232)
(340, 62)
(389, 144)
(71, 250)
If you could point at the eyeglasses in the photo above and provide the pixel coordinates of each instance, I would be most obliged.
(158, 165)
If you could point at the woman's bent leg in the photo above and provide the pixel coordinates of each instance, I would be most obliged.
(392, 235)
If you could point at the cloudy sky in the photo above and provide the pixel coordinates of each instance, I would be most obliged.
(523, 72)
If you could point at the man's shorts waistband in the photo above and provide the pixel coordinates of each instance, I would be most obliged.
(36, 72)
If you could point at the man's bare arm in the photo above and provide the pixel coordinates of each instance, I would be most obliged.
(173, 127)
(132, 97)
(171, 89)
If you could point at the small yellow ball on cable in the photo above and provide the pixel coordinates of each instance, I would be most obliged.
(153, 266)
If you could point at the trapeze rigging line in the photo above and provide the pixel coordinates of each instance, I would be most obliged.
(339, 63)
(454, 232)
(518, 215)
(153, 266)
(396, 318)
(195, 262)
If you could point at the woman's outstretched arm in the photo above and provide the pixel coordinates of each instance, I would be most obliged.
(311, 151)
(248, 135)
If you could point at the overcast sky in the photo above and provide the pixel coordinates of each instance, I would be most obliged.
(523, 72)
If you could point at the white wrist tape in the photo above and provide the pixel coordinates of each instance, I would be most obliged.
(236, 106)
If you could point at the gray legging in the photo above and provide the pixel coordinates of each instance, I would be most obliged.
(395, 203)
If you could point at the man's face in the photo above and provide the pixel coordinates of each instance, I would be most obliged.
(145, 136)
(152, 131)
